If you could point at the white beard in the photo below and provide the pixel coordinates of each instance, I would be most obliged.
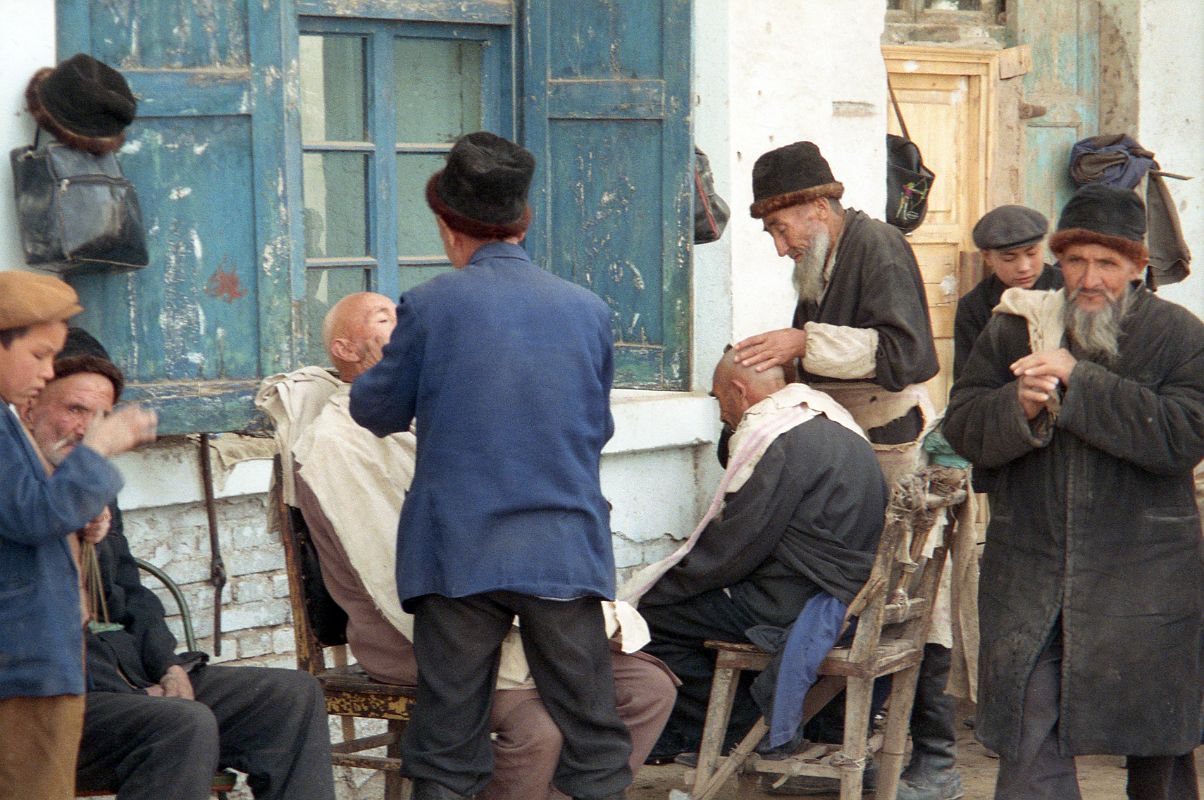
(809, 267)
(1096, 333)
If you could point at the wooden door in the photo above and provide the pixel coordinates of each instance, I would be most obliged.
(950, 102)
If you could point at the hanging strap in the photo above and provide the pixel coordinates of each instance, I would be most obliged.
(898, 114)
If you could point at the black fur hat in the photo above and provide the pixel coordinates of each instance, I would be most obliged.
(483, 189)
(82, 353)
(1105, 215)
(793, 174)
(84, 103)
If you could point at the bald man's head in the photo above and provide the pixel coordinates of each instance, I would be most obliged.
(355, 331)
(738, 387)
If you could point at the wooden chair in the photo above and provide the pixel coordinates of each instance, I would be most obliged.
(894, 610)
(350, 692)
(225, 780)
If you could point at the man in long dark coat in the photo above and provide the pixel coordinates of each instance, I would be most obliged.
(1091, 594)
(862, 333)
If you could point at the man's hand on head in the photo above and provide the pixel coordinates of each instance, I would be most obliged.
(123, 430)
(772, 349)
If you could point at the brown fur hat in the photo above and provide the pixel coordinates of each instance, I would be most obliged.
(83, 103)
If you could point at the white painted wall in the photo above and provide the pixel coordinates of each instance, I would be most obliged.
(1171, 120)
(27, 45)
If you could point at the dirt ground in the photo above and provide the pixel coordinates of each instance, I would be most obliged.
(1100, 777)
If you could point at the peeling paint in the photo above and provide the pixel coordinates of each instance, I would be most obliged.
(180, 192)
(197, 250)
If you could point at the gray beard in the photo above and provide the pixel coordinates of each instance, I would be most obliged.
(1096, 334)
(809, 267)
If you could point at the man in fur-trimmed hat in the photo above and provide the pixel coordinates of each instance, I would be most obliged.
(507, 370)
(1092, 587)
(862, 317)
(156, 723)
(41, 642)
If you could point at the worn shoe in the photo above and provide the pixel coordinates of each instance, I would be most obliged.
(944, 785)
(808, 785)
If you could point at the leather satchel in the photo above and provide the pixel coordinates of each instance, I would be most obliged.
(710, 210)
(77, 212)
(908, 181)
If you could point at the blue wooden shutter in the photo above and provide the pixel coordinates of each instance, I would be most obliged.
(212, 313)
(606, 110)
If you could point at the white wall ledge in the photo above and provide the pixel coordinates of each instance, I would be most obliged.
(169, 473)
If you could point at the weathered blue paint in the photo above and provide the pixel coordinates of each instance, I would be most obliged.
(606, 111)
(210, 315)
(483, 12)
(1064, 35)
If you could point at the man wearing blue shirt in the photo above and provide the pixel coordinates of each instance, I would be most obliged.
(507, 371)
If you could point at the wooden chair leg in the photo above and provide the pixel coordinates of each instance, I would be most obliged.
(396, 786)
(858, 696)
(898, 721)
(714, 729)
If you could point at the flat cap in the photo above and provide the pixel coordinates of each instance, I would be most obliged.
(1010, 227)
(27, 298)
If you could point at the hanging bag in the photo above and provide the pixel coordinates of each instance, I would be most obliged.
(908, 181)
(76, 210)
(710, 210)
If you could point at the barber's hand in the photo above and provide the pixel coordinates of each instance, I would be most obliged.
(97, 529)
(174, 683)
(124, 429)
(772, 349)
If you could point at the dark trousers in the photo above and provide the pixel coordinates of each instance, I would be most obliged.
(268, 723)
(678, 632)
(457, 642)
(1041, 772)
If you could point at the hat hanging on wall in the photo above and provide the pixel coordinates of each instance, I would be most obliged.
(84, 103)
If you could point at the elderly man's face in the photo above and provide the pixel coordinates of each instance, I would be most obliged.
(1097, 276)
(61, 414)
(795, 228)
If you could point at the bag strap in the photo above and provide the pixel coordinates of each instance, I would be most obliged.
(898, 114)
(706, 202)
(37, 132)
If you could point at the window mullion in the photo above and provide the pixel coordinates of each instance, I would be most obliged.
(384, 185)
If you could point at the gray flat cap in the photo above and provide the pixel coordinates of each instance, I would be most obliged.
(1009, 227)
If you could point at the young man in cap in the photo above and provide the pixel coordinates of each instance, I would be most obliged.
(41, 641)
(1091, 594)
(158, 724)
(1012, 242)
(507, 370)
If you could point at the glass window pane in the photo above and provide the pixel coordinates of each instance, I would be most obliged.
(332, 89)
(437, 83)
(893, 5)
(412, 276)
(953, 5)
(336, 207)
(324, 288)
(417, 234)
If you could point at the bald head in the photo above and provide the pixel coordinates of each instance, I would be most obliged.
(356, 330)
(739, 387)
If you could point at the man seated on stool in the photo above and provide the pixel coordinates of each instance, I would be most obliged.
(158, 724)
(804, 507)
(350, 488)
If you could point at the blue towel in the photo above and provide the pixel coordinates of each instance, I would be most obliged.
(812, 635)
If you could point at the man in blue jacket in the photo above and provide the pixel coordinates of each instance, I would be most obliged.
(41, 639)
(507, 370)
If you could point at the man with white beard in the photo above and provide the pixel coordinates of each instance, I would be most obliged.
(861, 325)
(1092, 587)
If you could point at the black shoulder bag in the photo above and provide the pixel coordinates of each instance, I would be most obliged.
(710, 211)
(908, 181)
(76, 211)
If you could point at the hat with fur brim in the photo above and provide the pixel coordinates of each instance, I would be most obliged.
(482, 191)
(82, 353)
(83, 103)
(790, 175)
(1105, 215)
